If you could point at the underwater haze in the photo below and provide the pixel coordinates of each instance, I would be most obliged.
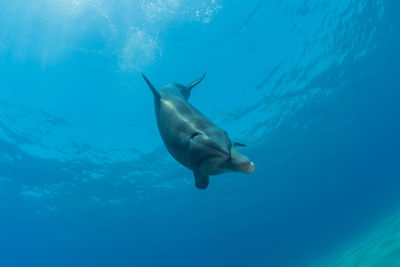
(312, 87)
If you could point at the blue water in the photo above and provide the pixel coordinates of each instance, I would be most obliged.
(312, 87)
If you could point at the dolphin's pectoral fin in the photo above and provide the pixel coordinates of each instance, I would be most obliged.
(238, 144)
(152, 88)
(201, 181)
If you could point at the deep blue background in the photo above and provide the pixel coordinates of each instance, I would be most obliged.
(311, 86)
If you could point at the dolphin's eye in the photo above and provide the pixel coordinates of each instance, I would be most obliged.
(193, 135)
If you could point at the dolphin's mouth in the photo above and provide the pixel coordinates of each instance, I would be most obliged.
(251, 168)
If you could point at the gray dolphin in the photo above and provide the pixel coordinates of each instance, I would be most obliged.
(192, 139)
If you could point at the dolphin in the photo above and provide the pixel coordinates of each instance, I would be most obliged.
(191, 138)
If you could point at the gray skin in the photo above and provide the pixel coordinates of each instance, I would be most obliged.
(192, 139)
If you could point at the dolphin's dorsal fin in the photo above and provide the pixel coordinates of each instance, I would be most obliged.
(191, 85)
(200, 180)
(153, 89)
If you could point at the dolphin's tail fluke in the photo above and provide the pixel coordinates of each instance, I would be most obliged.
(153, 89)
(186, 91)
(196, 82)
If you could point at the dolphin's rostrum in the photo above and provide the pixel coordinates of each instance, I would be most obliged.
(192, 139)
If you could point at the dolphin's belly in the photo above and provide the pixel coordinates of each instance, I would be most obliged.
(177, 120)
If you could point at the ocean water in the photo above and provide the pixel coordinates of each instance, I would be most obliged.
(311, 86)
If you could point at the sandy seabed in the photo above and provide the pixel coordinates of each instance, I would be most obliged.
(379, 248)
